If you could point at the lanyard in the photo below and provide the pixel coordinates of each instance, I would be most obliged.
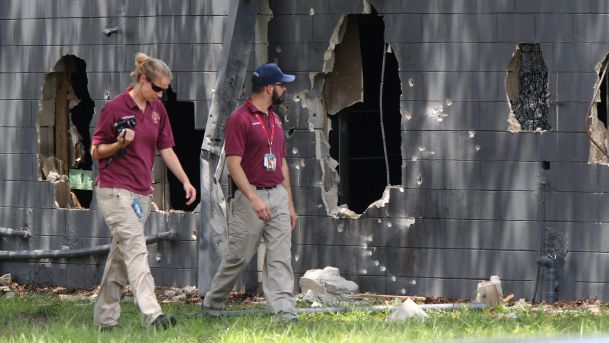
(269, 139)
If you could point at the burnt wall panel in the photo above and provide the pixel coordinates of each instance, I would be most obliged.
(404, 28)
(440, 27)
(553, 27)
(516, 28)
(593, 262)
(17, 113)
(297, 28)
(18, 167)
(298, 57)
(132, 49)
(536, 6)
(7, 32)
(583, 6)
(478, 28)
(86, 224)
(108, 82)
(195, 86)
(28, 9)
(457, 6)
(216, 8)
(462, 86)
(146, 7)
(108, 57)
(580, 57)
(17, 140)
(323, 26)
(318, 6)
(429, 116)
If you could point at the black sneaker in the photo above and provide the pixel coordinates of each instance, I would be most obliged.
(164, 322)
(107, 328)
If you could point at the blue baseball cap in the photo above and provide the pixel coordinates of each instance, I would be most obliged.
(269, 73)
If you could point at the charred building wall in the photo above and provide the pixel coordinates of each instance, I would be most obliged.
(34, 36)
(489, 96)
(480, 134)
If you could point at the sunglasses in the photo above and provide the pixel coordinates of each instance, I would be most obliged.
(157, 88)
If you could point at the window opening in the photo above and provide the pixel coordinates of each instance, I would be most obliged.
(355, 139)
(64, 140)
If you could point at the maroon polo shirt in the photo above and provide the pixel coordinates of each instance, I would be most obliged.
(245, 137)
(132, 171)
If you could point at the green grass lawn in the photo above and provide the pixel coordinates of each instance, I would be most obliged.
(46, 318)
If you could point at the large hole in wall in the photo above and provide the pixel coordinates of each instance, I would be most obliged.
(355, 139)
(526, 86)
(187, 147)
(598, 116)
(64, 116)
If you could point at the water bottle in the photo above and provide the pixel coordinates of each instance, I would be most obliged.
(137, 208)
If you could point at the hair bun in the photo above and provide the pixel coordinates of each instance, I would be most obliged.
(140, 57)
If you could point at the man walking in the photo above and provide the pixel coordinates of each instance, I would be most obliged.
(262, 206)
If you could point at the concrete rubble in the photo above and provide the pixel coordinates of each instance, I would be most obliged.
(6, 280)
(407, 309)
(489, 292)
(326, 286)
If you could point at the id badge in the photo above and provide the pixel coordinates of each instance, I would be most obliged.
(270, 163)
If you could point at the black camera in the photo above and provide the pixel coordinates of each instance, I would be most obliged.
(126, 122)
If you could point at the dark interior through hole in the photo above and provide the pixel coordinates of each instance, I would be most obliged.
(356, 140)
(187, 147)
(81, 116)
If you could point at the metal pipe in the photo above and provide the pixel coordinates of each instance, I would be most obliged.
(21, 233)
(40, 254)
(452, 306)
(542, 191)
(385, 46)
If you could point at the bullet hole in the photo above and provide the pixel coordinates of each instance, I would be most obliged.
(290, 132)
(478, 147)
(545, 165)
(471, 133)
(411, 82)
(449, 102)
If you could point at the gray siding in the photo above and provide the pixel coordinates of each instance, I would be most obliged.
(476, 211)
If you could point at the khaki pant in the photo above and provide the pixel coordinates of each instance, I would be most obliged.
(244, 234)
(127, 260)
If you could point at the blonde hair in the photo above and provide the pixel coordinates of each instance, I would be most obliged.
(149, 67)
